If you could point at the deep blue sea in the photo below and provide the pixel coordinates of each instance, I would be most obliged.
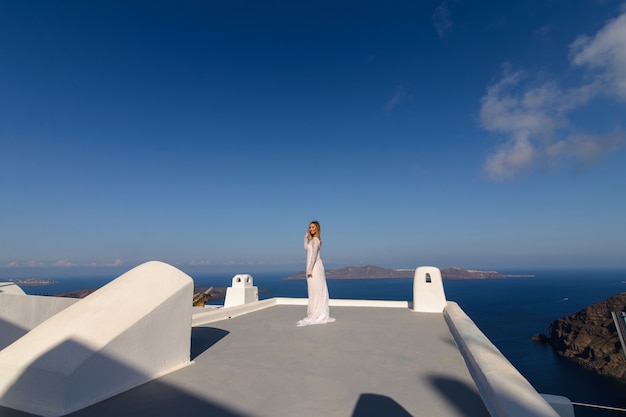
(508, 311)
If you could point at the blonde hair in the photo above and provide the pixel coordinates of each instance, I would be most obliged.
(318, 234)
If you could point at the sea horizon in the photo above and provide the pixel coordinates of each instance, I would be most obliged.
(87, 272)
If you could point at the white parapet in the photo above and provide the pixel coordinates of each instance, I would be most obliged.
(504, 391)
(562, 405)
(241, 291)
(19, 314)
(11, 288)
(428, 293)
(132, 330)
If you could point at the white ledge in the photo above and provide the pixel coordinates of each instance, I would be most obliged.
(505, 392)
(212, 314)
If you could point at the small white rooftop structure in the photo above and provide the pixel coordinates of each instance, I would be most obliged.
(428, 293)
(241, 292)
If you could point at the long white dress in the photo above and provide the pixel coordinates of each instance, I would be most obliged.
(317, 309)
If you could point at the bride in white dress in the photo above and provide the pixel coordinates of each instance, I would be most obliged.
(317, 309)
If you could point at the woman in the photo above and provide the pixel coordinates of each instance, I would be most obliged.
(317, 310)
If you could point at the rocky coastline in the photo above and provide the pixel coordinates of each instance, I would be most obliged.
(590, 338)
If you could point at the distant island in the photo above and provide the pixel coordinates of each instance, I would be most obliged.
(349, 272)
(376, 272)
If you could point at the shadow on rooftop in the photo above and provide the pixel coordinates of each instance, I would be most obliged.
(449, 340)
(462, 396)
(9, 333)
(202, 338)
(153, 398)
(9, 412)
(375, 405)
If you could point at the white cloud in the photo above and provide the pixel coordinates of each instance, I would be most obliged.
(586, 148)
(531, 114)
(543, 31)
(511, 158)
(63, 263)
(199, 262)
(531, 110)
(442, 18)
(605, 53)
(398, 98)
(117, 262)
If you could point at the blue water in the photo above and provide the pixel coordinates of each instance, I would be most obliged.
(508, 311)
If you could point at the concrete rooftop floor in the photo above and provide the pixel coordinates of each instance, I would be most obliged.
(372, 362)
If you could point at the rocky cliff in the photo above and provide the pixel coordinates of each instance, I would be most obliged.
(590, 337)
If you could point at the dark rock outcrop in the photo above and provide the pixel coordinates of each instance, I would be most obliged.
(201, 298)
(590, 337)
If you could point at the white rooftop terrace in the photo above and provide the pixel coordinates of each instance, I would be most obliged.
(418, 358)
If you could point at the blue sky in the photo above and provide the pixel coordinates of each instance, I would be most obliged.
(486, 135)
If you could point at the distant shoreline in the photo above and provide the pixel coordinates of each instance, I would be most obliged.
(376, 272)
(350, 272)
(32, 282)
